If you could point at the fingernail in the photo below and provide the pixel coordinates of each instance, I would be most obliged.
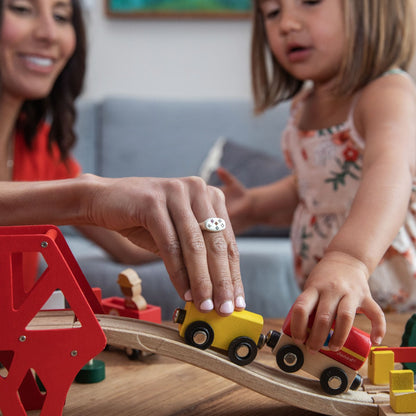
(240, 302)
(227, 307)
(188, 295)
(312, 351)
(207, 305)
(378, 340)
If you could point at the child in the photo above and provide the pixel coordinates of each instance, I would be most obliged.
(351, 142)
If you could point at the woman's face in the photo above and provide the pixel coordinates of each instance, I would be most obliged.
(37, 40)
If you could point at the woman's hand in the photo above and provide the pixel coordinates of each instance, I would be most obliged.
(336, 288)
(163, 216)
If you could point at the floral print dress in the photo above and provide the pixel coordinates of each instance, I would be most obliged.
(328, 167)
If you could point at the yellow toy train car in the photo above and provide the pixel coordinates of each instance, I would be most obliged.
(240, 334)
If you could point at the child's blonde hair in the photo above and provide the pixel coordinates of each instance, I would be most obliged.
(379, 35)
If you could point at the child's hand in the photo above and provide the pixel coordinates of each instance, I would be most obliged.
(336, 288)
(237, 200)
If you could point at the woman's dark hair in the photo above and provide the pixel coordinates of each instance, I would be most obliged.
(59, 106)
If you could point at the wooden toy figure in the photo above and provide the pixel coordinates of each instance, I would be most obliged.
(131, 287)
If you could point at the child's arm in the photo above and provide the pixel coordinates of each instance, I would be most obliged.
(386, 117)
(271, 204)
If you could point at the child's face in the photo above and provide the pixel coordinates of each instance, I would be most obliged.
(306, 37)
(37, 39)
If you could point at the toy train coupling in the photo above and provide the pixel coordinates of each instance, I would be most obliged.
(272, 338)
(262, 341)
(179, 316)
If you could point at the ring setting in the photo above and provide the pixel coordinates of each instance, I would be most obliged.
(213, 225)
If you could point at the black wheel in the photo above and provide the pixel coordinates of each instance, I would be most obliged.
(199, 334)
(133, 354)
(334, 381)
(289, 358)
(242, 351)
(357, 383)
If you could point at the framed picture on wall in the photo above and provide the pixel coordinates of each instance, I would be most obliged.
(179, 8)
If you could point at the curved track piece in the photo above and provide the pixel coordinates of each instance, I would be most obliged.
(291, 389)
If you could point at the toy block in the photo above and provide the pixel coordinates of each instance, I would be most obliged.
(402, 392)
(401, 380)
(380, 364)
(131, 287)
(386, 410)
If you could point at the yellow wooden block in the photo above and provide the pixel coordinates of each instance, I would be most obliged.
(380, 364)
(402, 393)
(401, 380)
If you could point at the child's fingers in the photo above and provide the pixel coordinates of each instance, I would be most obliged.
(300, 312)
(324, 318)
(378, 321)
(343, 323)
(226, 177)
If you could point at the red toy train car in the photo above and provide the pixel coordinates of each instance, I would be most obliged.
(336, 370)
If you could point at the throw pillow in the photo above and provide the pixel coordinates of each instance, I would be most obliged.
(251, 167)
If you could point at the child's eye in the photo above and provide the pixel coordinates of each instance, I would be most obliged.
(312, 2)
(272, 14)
(20, 7)
(270, 9)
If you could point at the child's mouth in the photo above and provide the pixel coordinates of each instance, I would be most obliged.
(298, 53)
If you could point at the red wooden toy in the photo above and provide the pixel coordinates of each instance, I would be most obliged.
(56, 355)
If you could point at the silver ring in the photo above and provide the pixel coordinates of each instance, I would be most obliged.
(213, 225)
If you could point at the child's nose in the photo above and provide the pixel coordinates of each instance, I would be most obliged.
(289, 21)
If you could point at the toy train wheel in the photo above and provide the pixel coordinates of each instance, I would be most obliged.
(289, 358)
(199, 334)
(133, 354)
(242, 351)
(334, 381)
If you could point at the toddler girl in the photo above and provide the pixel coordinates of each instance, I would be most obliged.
(351, 144)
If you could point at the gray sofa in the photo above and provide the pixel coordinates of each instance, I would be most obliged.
(122, 136)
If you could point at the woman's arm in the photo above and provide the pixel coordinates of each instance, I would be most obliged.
(160, 215)
(338, 285)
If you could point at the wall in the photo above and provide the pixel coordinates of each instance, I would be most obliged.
(167, 59)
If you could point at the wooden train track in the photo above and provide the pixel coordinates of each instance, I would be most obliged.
(271, 382)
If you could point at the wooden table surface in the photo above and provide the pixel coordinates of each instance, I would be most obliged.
(162, 386)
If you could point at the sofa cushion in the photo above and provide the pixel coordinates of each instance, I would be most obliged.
(250, 166)
(86, 130)
(171, 139)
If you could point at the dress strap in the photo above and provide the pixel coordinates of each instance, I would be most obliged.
(350, 121)
(395, 71)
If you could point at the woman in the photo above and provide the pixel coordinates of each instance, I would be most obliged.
(42, 63)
